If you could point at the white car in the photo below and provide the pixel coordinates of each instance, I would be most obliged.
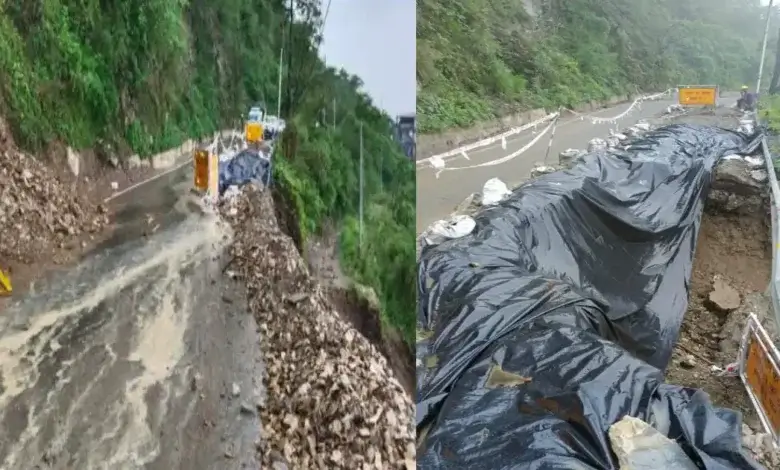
(256, 114)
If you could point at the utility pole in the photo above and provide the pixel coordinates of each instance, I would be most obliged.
(763, 46)
(289, 105)
(361, 187)
(279, 96)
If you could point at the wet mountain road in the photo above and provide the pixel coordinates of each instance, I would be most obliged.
(141, 357)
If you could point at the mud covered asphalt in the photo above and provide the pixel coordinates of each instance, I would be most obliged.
(141, 357)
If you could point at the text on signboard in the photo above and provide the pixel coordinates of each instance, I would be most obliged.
(700, 96)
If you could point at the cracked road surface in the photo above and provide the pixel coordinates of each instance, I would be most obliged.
(141, 357)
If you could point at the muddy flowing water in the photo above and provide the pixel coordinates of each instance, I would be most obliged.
(140, 357)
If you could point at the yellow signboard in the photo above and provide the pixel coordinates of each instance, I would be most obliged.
(254, 132)
(761, 375)
(698, 95)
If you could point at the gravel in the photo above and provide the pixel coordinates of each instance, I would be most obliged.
(332, 400)
(760, 446)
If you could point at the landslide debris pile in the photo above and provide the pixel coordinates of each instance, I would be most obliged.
(332, 399)
(39, 214)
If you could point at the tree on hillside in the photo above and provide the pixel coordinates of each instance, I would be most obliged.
(482, 59)
(142, 76)
(321, 149)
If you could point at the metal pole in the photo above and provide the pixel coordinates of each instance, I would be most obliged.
(279, 96)
(763, 47)
(552, 136)
(361, 186)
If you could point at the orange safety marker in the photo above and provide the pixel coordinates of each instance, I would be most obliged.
(201, 162)
(5, 284)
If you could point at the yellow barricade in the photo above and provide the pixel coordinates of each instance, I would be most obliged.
(5, 284)
(206, 172)
(201, 170)
(254, 132)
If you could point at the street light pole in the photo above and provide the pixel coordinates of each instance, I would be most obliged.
(361, 186)
(763, 46)
(279, 96)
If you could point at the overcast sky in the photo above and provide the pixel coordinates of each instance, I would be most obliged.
(375, 40)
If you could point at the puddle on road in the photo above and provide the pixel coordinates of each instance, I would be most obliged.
(89, 378)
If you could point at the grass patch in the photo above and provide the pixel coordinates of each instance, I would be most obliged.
(769, 114)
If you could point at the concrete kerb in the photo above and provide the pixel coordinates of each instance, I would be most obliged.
(175, 158)
(169, 158)
(432, 144)
(160, 161)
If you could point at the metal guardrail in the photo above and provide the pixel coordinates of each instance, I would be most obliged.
(774, 282)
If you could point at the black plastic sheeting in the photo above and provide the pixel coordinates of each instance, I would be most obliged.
(577, 283)
(246, 167)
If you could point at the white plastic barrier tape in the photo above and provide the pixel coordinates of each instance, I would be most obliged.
(438, 161)
(635, 104)
(441, 165)
(550, 143)
(461, 151)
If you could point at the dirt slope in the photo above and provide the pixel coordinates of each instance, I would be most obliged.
(43, 221)
(332, 399)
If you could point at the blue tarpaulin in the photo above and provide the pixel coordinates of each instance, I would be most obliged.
(248, 166)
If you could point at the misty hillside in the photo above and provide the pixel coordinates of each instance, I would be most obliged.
(481, 58)
(140, 77)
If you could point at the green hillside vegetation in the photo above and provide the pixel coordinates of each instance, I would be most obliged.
(143, 76)
(478, 59)
(769, 114)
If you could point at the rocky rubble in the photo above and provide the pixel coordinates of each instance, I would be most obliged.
(39, 214)
(332, 400)
(760, 446)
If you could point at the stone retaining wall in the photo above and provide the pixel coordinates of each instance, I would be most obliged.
(159, 161)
